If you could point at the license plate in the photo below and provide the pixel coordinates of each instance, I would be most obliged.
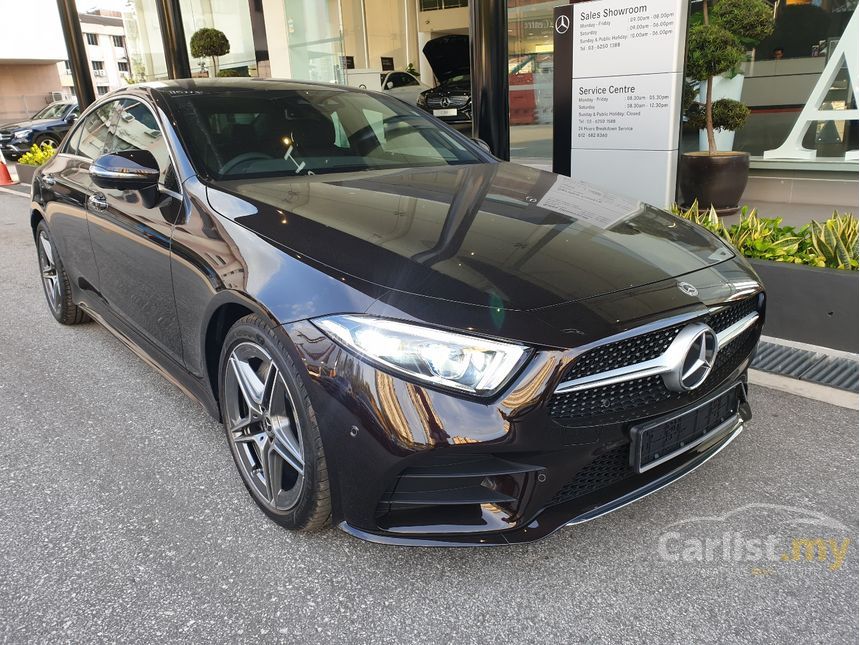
(445, 112)
(658, 441)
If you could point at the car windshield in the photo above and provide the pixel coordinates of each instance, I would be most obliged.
(53, 111)
(459, 78)
(277, 133)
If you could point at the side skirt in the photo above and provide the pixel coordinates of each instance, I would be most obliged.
(188, 385)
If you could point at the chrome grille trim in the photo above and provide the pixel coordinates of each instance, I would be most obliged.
(660, 365)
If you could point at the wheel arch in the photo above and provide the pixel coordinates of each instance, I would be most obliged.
(36, 216)
(226, 309)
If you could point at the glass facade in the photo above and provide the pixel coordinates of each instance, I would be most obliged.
(530, 77)
(233, 17)
(340, 41)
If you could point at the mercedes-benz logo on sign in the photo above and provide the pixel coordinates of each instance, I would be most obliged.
(445, 101)
(691, 355)
(689, 289)
(562, 24)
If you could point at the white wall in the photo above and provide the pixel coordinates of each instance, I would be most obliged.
(42, 43)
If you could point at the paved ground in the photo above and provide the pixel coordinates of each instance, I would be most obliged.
(122, 519)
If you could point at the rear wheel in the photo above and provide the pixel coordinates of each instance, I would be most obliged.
(55, 280)
(271, 427)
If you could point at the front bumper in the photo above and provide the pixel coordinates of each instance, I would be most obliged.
(13, 149)
(412, 465)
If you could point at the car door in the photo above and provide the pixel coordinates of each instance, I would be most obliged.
(131, 237)
(67, 186)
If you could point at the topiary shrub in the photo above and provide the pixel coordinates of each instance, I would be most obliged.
(719, 45)
(209, 43)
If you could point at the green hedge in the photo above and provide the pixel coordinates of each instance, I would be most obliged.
(832, 243)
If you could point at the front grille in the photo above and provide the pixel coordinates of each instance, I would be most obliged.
(453, 101)
(639, 349)
(608, 469)
(730, 314)
(640, 398)
(622, 353)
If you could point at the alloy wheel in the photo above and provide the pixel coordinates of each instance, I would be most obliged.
(50, 277)
(262, 426)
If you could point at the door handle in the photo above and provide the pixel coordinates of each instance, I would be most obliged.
(97, 202)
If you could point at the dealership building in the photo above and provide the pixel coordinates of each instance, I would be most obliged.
(513, 65)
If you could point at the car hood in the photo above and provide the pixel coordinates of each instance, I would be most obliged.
(496, 234)
(29, 124)
(448, 56)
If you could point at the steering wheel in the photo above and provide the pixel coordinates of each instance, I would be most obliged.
(245, 157)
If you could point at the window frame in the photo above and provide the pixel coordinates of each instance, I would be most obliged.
(79, 124)
(92, 38)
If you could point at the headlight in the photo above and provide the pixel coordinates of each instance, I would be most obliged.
(443, 358)
(422, 100)
(21, 134)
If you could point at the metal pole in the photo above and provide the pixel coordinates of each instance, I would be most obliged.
(77, 52)
(173, 39)
(488, 26)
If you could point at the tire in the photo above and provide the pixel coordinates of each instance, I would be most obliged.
(48, 138)
(271, 427)
(55, 280)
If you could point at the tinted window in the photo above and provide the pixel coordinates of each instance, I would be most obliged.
(137, 129)
(96, 132)
(52, 111)
(297, 132)
(401, 79)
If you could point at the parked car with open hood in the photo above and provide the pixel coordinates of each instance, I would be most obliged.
(48, 125)
(451, 99)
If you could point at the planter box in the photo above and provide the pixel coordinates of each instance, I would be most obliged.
(810, 305)
(25, 173)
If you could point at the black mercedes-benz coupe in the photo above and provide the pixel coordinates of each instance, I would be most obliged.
(402, 335)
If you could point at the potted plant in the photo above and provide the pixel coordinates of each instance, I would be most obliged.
(810, 272)
(209, 43)
(36, 156)
(716, 46)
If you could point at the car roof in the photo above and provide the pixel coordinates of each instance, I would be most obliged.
(218, 85)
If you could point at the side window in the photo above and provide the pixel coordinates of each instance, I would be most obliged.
(137, 129)
(96, 132)
(409, 80)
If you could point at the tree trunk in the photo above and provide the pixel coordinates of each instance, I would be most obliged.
(214, 67)
(709, 116)
(709, 97)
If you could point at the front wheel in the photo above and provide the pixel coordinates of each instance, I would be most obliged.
(271, 427)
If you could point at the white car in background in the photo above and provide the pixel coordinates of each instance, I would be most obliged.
(400, 85)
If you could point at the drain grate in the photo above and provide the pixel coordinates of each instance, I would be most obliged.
(815, 367)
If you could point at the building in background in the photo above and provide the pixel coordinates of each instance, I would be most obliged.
(107, 57)
(29, 78)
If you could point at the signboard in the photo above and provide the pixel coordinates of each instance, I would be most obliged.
(387, 63)
(347, 62)
(621, 92)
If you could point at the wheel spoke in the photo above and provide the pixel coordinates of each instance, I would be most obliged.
(250, 386)
(48, 250)
(269, 387)
(273, 468)
(293, 459)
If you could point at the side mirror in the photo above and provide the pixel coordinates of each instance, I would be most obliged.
(125, 170)
(71, 118)
(483, 145)
(389, 85)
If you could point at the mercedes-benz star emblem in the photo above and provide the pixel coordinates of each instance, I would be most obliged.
(562, 24)
(445, 101)
(691, 357)
(689, 289)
